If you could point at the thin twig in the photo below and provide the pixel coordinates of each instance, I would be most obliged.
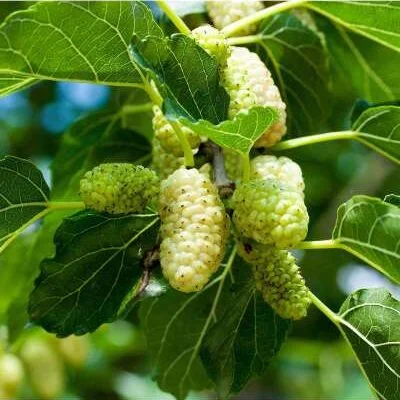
(149, 262)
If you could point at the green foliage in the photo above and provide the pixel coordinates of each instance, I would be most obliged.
(97, 262)
(370, 321)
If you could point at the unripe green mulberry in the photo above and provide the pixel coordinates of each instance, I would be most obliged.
(167, 137)
(193, 230)
(11, 375)
(249, 83)
(223, 13)
(213, 42)
(119, 188)
(280, 282)
(281, 169)
(270, 213)
(164, 163)
(233, 164)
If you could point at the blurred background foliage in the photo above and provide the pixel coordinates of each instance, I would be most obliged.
(111, 363)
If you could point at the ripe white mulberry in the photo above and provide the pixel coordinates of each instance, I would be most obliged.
(270, 213)
(282, 169)
(168, 139)
(11, 375)
(249, 83)
(119, 188)
(213, 42)
(164, 163)
(223, 13)
(193, 230)
(279, 280)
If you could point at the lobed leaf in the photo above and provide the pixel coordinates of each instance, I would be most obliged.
(370, 321)
(96, 265)
(72, 41)
(369, 228)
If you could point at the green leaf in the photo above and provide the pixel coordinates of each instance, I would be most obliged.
(180, 328)
(96, 265)
(379, 128)
(243, 341)
(239, 134)
(187, 74)
(393, 199)
(73, 41)
(370, 321)
(296, 55)
(370, 229)
(23, 197)
(95, 139)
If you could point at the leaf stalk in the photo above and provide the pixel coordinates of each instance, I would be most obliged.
(176, 19)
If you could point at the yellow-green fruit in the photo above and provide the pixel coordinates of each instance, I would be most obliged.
(11, 375)
(119, 188)
(224, 12)
(249, 83)
(164, 163)
(281, 169)
(166, 136)
(270, 213)
(280, 282)
(213, 42)
(74, 350)
(233, 164)
(44, 368)
(252, 251)
(193, 230)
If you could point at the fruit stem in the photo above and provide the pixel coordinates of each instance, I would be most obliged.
(318, 245)
(245, 167)
(231, 29)
(187, 150)
(313, 139)
(225, 186)
(238, 40)
(135, 108)
(176, 19)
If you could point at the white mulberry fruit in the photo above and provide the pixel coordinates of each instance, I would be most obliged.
(168, 138)
(119, 188)
(164, 163)
(213, 42)
(281, 169)
(11, 375)
(193, 230)
(249, 83)
(270, 213)
(280, 282)
(223, 13)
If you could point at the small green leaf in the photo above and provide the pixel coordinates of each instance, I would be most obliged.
(23, 196)
(187, 74)
(95, 139)
(393, 199)
(370, 229)
(370, 321)
(96, 265)
(239, 134)
(243, 341)
(74, 41)
(379, 128)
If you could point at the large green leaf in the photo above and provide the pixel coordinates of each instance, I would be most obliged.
(180, 327)
(370, 321)
(76, 41)
(239, 134)
(370, 228)
(379, 128)
(92, 140)
(187, 74)
(296, 55)
(96, 265)
(23, 196)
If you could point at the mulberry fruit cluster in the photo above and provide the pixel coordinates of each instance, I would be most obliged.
(223, 13)
(193, 230)
(270, 213)
(249, 83)
(119, 188)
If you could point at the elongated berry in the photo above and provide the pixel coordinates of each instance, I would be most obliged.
(164, 163)
(270, 213)
(223, 13)
(11, 375)
(193, 230)
(119, 188)
(281, 169)
(249, 83)
(280, 282)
